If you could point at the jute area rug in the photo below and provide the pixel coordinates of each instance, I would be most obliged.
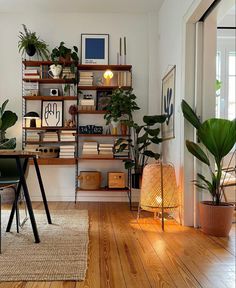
(61, 254)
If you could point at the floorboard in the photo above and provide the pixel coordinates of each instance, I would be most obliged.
(128, 253)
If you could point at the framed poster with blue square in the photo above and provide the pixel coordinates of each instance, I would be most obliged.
(95, 49)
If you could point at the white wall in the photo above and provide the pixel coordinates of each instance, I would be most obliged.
(53, 28)
(170, 52)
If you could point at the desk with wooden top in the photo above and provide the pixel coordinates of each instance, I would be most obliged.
(26, 155)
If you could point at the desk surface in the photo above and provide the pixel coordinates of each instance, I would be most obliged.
(22, 153)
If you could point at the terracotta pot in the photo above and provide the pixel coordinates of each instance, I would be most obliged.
(123, 129)
(216, 220)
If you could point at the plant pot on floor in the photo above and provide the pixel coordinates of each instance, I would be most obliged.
(136, 180)
(216, 220)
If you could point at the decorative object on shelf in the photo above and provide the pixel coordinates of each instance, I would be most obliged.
(48, 151)
(30, 43)
(32, 116)
(55, 71)
(138, 145)
(7, 120)
(103, 98)
(121, 59)
(124, 127)
(116, 180)
(168, 104)
(73, 111)
(108, 75)
(52, 113)
(68, 123)
(90, 180)
(114, 125)
(159, 191)
(54, 92)
(90, 129)
(95, 49)
(218, 136)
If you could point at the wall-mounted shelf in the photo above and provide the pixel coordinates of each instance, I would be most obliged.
(48, 80)
(92, 87)
(49, 128)
(38, 98)
(91, 112)
(56, 161)
(102, 135)
(102, 158)
(106, 189)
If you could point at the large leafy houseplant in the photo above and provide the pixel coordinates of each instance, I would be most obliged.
(122, 103)
(7, 120)
(68, 57)
(30, 43)
(142, 137)
(217, 137)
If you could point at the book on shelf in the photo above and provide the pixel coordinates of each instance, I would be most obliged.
(31, 76)
(87, 102)
(44, 71)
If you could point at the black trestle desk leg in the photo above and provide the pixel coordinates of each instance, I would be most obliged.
(42, 190)
(28, 201)
(14, 206)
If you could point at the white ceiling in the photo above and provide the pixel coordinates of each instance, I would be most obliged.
(77, 6)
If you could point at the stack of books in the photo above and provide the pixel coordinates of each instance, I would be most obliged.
(44, 71)
(121, 154)
(67, 135)
(50, 137)
(86, 78)
(31, 74)
(32, 136)
(90, 149)
(67, 151)
(66, 73)
(124, 78)
(106, 150)
(31, 89)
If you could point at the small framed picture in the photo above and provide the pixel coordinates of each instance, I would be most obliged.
(168, 104)
(103, 98)
(52, 113)
(95, 49)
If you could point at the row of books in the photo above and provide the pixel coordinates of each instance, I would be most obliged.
(31, 88)
(66, 73)
(67, 151)
(30, 73)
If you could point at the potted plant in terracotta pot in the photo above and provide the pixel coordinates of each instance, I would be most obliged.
(121, 104)
(217, 137)
(7, 120)
(142, 137)
(30, 44)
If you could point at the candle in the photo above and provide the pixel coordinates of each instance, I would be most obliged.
(124, 45)
(120, 46)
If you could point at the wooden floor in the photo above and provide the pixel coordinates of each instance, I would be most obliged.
(124, 252)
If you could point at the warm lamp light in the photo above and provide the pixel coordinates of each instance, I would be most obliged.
(159, 189)
(108, 74)
(32, 116)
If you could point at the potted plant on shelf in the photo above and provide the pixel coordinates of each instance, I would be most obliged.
(217, 137)
(120, 105)
(30, 44)
(7, 120)
(142, 137)
(68, 57)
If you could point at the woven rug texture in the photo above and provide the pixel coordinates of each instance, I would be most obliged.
(61, 254)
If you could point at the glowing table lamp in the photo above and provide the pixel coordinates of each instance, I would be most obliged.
(32, 116)
(108, 75)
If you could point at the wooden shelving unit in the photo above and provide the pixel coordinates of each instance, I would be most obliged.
(101, 158)
(106, 189)
(103, 135)
(39, 98)
(56, 161)
(49, 128)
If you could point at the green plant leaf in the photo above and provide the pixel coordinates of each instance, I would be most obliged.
(196, 150)
(129, 164)
(154, 119)
(9, 144)
(190, 115)
(156, 140)
(9, 118)
(151, 154)
(152, 132)
(219, 137)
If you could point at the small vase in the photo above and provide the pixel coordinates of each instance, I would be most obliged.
(114, 127)
(55, 71)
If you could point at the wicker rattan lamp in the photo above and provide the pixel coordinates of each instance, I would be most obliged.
(159, 189)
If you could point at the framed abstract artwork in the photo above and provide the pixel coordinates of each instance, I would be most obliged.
(168, 104)
(95, 49)
(52, 113)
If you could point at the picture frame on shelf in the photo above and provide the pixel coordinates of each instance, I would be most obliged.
(52, 113)
(168, 104)
(95, 49)
(102, 98)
